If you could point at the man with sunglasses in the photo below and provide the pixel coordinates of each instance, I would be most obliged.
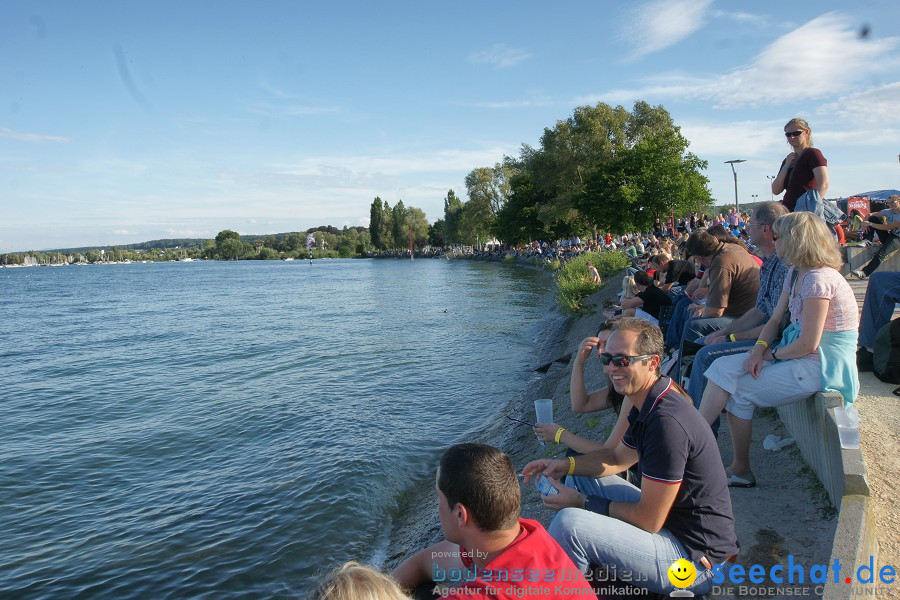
(682, 510)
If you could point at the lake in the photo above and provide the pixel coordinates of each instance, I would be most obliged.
(228, 429)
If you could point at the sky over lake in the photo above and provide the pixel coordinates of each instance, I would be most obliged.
(123, 122)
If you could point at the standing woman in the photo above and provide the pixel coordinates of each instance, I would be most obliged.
(804, 168)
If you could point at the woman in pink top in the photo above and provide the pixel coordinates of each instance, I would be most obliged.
(816, 352)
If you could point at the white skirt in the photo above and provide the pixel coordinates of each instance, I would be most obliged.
(780, 382)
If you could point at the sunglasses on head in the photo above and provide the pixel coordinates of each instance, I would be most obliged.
(790, 134)
(620, 360)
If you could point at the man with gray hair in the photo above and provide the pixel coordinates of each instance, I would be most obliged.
(741, 334)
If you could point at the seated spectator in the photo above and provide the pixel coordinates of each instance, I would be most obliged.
(478, 503)
(629, 289)
(882, 296)
(733, 277)
(353, 581)
(683, 509)
(593, 274)
(674, 272)
(887, 224)
(816, 352)
(582, 402)
(648, 301)
(742, 333)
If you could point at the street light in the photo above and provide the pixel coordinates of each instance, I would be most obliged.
(771, 179)
(732, 163)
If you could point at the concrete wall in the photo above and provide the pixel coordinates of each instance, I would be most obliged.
(843, 474)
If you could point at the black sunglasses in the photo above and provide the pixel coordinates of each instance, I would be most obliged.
(790, 134)
(620, 360)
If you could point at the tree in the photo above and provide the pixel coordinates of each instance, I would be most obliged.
(387, 226)
(436, 236)
(519, 221)
(398, 221)
(376, 222)
(228, 244)
(452, 213)
(418, 224)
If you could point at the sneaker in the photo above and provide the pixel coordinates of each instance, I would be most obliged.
(859, 274)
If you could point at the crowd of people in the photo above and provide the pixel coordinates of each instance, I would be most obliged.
(718, 315)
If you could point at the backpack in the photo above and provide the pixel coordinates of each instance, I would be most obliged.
(886, 352)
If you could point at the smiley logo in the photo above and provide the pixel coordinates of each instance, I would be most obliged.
(682, 573)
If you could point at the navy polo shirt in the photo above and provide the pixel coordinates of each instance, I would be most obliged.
(676, 446)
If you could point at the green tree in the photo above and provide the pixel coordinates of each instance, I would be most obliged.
(387, 226)
(398, 221)
(228, 244)
(418, 224)
(436, 236)
(452, 214)
(376, 223)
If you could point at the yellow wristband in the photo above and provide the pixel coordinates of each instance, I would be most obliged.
(559, 433)
(571, 465)
(762, 343)
(731, 337)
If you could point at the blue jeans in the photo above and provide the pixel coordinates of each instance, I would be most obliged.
(589, 538)
(697, 327)
(705, 357)
(676, 323)
(881, 297)
(890, 243)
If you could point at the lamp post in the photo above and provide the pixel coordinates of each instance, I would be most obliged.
(732, 163)
(771, 178)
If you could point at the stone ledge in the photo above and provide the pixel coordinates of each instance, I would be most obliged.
(842, 472)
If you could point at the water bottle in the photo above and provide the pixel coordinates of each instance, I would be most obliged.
(847, 418)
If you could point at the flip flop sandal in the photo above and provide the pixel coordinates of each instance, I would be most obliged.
(740, 481)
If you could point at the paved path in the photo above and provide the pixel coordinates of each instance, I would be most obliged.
(879, 410)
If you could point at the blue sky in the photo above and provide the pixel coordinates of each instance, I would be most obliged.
(123, 122)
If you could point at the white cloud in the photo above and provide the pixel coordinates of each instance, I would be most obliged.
(500, 56)
(874, 106)
(740, 17)
(662, 23)
(737, 139)
(34, 138)
(123, 232)
(822, 58)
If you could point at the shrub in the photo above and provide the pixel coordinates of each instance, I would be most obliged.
(573, 283)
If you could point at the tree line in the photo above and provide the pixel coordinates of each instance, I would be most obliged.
(601, 169)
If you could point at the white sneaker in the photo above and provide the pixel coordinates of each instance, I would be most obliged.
(858, 273)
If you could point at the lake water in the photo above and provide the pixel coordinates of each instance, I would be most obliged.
(217, 429)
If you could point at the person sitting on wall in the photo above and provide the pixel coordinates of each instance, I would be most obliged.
(478, 504)
(740, 334)
(887, 225)
(817, 351)
(648, 301)
(683, 508)
(733, 277)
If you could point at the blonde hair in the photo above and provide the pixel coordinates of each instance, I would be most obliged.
(806, 241)
(802, 124)
(353, 581)
(629, 289)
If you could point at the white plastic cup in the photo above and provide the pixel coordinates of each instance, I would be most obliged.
(543, 408)
(847, 419)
